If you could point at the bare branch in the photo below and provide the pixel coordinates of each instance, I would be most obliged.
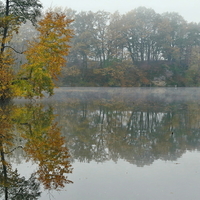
(20, 52)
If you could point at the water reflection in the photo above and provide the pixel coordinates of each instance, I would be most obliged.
(136, 127)
(32, 129)
(130, 125)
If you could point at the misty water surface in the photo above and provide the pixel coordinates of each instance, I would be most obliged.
(105, 143)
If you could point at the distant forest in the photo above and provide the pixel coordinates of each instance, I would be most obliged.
(139, 48)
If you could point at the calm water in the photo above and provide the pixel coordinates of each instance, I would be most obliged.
(102, 144)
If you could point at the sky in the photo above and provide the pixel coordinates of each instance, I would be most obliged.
(189, 9)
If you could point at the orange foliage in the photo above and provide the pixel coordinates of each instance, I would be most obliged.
(49, 152)
(44, 144)
(45, 56)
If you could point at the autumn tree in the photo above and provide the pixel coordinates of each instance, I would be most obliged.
(45, 57)
(12, 14)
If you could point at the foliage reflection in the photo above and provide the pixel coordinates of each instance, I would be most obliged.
(32, 128)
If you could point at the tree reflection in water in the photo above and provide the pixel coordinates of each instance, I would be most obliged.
(133, 127)
(33, 126)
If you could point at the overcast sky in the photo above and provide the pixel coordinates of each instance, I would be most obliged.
(189, 9)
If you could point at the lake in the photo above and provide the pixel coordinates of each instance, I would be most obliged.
(102, 144)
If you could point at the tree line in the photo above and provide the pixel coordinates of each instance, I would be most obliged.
(139, 48)
(133, 49)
